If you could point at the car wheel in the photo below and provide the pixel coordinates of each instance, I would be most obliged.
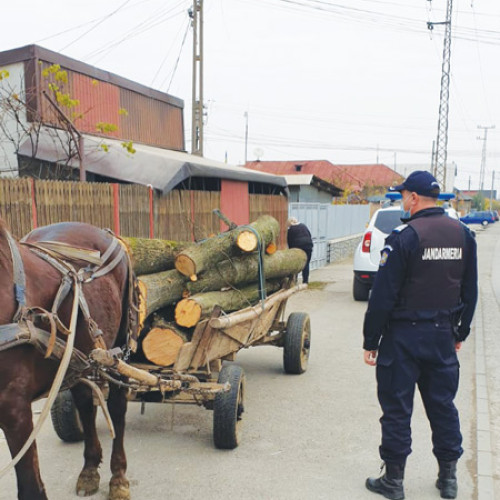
(484, 223)
(229, 408)
(297, 343)
(360, 291)
(65, 418)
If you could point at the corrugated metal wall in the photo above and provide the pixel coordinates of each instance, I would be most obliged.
(148, 120)
(151, 121)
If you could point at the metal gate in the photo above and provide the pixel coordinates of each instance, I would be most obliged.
(315, 217)
(327, 222)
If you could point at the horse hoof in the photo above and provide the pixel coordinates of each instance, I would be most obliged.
(88, 482)
(119, 489)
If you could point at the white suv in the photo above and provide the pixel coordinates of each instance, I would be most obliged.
(367, 254)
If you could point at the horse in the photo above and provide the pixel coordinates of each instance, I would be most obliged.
(26, 374)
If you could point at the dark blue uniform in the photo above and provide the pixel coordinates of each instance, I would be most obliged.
(422, 302)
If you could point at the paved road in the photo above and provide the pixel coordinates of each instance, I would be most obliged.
(313, 436)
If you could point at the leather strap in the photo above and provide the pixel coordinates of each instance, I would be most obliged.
(19, 275)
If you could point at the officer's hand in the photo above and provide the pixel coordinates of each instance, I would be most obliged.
(370, 357)
(458, 346)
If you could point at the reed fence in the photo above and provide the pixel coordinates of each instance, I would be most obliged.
(129, 210)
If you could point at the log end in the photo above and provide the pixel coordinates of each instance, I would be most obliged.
(271, 248)
(185, 265)
(187, 313)
(161, 346)
(247, 241)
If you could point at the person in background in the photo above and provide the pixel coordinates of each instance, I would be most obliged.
(299, 236)
(418, 315)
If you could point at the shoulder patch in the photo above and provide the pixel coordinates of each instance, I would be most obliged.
(400, 228)
(384, 255)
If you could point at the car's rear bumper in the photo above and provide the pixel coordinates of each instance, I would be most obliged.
(366, 277)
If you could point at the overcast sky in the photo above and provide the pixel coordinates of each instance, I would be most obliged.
(349, 81)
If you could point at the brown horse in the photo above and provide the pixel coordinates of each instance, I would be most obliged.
(26, 375)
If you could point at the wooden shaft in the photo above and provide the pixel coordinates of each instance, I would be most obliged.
(255, 311)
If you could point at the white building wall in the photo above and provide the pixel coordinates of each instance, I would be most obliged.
(11, 132)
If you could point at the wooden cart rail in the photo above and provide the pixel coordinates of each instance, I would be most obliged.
(220, 337)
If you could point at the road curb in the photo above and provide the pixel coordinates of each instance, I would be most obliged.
(485, 485)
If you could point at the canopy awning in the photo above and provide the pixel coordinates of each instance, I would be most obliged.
(161, 168)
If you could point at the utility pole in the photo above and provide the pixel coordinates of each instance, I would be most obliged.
(246, 135)
(196, 14)
(483, 156)
(491, 192)
(441, 151)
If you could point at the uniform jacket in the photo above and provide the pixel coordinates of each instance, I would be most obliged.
(428, 271)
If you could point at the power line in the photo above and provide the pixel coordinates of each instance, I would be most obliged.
(111, 14)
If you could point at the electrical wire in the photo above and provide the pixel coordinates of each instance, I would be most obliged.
(159, 17)
(105, 18)
(164, 60)
(178, 59)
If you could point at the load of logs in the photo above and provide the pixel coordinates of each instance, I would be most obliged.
(181, 283)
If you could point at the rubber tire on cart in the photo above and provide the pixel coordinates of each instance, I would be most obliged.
(65, 418)
(297, 343)
(360, 291)
(229, 407)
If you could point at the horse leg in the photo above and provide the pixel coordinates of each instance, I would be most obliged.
(88, 480)
(119, 488)
(17, 424)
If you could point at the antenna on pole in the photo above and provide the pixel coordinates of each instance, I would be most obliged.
(196, 14)
(441, 151)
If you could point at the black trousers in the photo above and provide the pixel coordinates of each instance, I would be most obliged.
(305, 271)
(419, 354)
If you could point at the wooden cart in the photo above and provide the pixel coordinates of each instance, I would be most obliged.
(204, 373)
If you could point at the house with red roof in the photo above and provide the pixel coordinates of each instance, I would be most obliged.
(360, 179)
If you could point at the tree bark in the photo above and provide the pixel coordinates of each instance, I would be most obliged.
(196, 258)
(153, 255)
(160, 290)
(191, 310)
(245, 269)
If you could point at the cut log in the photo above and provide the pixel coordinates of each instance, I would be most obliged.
(191, 310)
(159, 290)
(198, 257)
(161, 346)
(153, 255)
(266, 226)
(245, 269)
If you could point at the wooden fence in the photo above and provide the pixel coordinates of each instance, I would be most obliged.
(129, 210)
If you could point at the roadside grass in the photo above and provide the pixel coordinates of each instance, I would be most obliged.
(317, 285)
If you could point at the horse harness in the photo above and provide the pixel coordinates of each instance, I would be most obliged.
(23, 329)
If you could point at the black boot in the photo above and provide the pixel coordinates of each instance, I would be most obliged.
(447, 479)
(390, 485)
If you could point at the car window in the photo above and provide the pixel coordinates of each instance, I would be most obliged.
(387, 220)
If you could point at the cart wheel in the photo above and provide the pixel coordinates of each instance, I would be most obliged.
(297, 343)
(65, 418)
(229, 408)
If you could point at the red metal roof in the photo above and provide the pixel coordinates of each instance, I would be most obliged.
(351, 177)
